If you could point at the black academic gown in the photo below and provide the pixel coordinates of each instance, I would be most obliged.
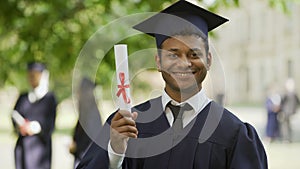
(82, 141)
(34, 152)
(231, 144)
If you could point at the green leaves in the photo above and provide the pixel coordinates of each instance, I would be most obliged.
(55, 31)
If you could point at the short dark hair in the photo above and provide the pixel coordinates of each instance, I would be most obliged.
(37, 66)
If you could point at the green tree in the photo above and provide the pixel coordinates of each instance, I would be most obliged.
(55, 31)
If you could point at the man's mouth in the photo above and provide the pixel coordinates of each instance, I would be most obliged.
(183, 74)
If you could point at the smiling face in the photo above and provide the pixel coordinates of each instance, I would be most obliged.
(184, 63)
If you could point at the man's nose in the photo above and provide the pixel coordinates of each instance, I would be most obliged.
(185, 60)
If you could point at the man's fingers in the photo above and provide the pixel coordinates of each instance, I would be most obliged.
(127, 119)
(117, 116)
(123, 123)
(125, 129)
(123, 113)
(131, 135)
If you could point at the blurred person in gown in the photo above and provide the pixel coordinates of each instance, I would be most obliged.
(33, 120)
(289, 104)
(88, 115)
(273, 108)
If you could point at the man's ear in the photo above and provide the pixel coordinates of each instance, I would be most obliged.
(158, 63)
(208, 60)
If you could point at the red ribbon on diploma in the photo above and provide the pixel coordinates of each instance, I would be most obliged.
(122, 88)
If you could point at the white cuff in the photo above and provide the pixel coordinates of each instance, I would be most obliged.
(115, 159)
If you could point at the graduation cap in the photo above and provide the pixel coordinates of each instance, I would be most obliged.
(179, 17)
(36, 66)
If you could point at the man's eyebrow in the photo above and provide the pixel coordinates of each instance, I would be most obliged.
(195, 50)
(173, 50)
(191, 50)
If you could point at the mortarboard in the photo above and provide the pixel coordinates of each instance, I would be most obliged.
(178, 17)
(36, 66)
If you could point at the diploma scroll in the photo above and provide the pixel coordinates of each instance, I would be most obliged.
(123, 86)
(18, 118)
(34, 126)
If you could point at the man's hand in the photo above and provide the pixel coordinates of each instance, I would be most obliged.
(24, 128)
(122, 128)
(73, 147)
(30, 128)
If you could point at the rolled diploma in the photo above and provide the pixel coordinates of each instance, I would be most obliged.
(18, 118)
(123, 88)
(34, 126)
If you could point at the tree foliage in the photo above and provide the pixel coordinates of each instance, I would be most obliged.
(55, 31)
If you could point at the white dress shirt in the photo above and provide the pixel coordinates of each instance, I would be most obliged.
(197, 102)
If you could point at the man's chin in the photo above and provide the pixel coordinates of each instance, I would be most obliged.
(189, 89)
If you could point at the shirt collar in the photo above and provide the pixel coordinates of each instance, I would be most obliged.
(195, 101)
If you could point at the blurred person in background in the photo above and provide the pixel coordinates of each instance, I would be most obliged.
(80, 143)
(289, 104)
(33, 120)
(88, 111)
(273, 108)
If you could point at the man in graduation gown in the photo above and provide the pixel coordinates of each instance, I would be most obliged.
(33, 119)
(183, 128)
(89, 117)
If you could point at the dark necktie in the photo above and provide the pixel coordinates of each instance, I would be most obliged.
(177, 112)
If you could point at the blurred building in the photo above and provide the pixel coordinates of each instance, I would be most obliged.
(260, 45)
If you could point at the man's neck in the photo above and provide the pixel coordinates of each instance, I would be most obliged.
(181, 96)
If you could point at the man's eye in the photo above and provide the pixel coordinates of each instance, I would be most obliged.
(196, 55)
(172, 55)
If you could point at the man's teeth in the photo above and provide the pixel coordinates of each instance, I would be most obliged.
(183, 74)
